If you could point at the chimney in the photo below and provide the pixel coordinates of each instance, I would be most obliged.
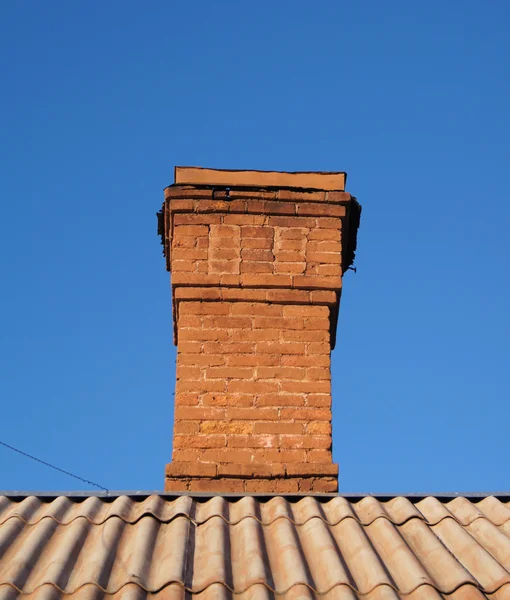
(256, 261)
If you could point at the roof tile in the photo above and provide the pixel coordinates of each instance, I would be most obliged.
(254, 549)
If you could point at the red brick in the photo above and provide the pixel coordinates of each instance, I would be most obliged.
(230, 373)
(325, 484)
(190, 469)
(256, 309)
(222, 485)
(232, 400)
(186, 454)
(250, 414)
(257, 254)
(322, 442)
(257, 243)
(293, 233)
(227, 322)
(256, 267)
(265, 280)
(323, 257)
(311, 469)
(317, 324)
(176, 485)
(286, 256)
(305, 336)
(202, 360)
(281, 400)
(198, 441)
(319, 210)
(289, 296)
(318, 373)
(329, 270)
(186, 347)
(281, 348)
(261, 486)
(294, 268)
(226, 427)
(193, 219)
(252, 441)
(278, 323)
(186, 399)
(251, 387)
(287, 486)
(292, 222)
(189, 253)
(283, 428)
(193, 231)
(187, 373)
(251, 470)
(318, 348)
(244, 220)
(217, 385)
(254, 360)
(202, 335)
(312, 282)
(281, 372)
(306, 361)
(282, 456)
(194, 413)
(324, 245)
(257, 232)
(319, 456)
(306, 311)
(294, 387)
(227, 455)
(223, 254)
(319, 400)
(232, 348)
(184, 427)
(184, 265)
(319, 427)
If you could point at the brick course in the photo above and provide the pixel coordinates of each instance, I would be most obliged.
(256, 280)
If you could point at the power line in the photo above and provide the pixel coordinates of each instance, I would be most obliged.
(53, 466)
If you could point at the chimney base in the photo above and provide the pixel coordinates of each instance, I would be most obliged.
(256, 478)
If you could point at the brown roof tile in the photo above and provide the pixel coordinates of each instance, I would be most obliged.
(254, 548)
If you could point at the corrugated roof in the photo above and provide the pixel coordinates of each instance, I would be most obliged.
(252, 548)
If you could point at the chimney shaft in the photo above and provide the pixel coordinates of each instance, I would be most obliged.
(257, 261)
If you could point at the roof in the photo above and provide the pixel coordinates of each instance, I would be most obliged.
(334, 548)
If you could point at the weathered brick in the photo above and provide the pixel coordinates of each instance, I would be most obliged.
(257, 232)
(221, 485)
(252, 441)
(190, 469)
(198, 441)
(305, 441)
(256, 267)
(227, 427)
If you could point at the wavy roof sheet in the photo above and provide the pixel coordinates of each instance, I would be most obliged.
(254, 549)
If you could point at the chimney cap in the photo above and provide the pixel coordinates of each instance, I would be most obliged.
(327, 181)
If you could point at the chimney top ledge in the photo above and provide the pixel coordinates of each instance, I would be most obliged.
(326, 181)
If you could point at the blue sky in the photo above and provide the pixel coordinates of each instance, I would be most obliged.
(101, 100)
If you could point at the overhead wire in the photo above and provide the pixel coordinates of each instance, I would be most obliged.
(43, 462)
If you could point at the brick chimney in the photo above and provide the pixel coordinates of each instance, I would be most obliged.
(257, 260)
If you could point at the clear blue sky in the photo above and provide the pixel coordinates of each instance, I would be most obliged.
(101, 99)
